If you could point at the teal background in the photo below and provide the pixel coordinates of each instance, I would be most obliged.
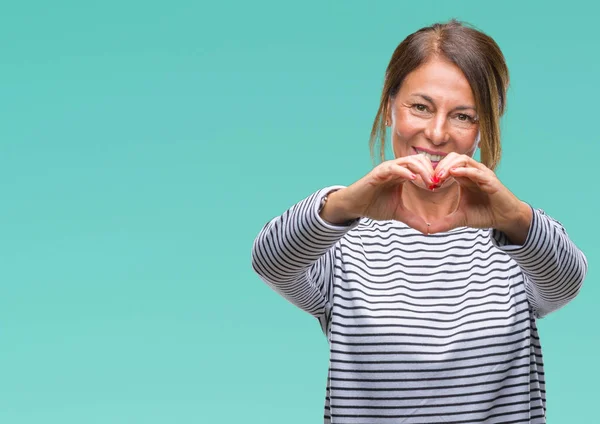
(143, 145)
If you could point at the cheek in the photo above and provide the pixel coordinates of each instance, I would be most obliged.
(406, 126)
(467, 141)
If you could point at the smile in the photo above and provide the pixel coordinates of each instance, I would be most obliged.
(432, 157)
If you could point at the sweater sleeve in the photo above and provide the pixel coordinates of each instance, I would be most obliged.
(294, 254)
(553, 267)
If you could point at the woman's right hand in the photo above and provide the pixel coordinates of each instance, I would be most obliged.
(378, 195)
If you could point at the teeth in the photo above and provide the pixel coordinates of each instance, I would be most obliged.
(433, 158)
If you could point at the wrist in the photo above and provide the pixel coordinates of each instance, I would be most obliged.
(336, 210)
(517, 227)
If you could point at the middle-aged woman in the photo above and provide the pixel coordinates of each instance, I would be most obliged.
(427, 275)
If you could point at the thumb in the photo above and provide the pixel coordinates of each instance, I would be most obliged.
(412, 220)
(454, 220)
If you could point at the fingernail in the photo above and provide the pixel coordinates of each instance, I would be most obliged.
(440, 174)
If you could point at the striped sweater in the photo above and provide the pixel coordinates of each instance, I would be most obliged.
(423, 328)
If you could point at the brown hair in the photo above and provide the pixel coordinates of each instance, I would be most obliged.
(479, 58)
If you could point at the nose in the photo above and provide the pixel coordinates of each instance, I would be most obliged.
(436, 130)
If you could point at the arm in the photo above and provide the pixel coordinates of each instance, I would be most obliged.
(554, 268)
(293, 254)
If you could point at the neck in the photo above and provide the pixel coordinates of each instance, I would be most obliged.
(430, 205)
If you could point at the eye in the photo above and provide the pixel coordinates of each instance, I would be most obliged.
(465, 118)
(420, 107)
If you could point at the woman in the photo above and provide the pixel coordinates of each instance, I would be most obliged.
(427, 275)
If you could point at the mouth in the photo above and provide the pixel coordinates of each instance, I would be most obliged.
(434, 157)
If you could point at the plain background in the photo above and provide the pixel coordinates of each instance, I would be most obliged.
(143, 146)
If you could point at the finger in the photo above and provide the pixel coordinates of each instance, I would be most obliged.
(443, 164)
(426, 163)
(456, 161)
(447, 223)
(397, 172)
(466, 183)
(387, 172)
(477, 176)
(412, 220)
(454, 220)
(475, 164)
(419, 165)
(443, 168)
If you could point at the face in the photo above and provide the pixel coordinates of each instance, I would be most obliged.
(434, 113)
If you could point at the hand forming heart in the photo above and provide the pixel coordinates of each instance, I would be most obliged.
(483, 201)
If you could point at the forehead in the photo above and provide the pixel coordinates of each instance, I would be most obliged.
(439, 79)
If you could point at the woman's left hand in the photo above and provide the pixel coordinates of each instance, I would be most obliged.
(484, 202)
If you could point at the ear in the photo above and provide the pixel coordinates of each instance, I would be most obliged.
(388, 115)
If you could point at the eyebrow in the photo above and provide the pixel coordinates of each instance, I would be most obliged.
(430, 100)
